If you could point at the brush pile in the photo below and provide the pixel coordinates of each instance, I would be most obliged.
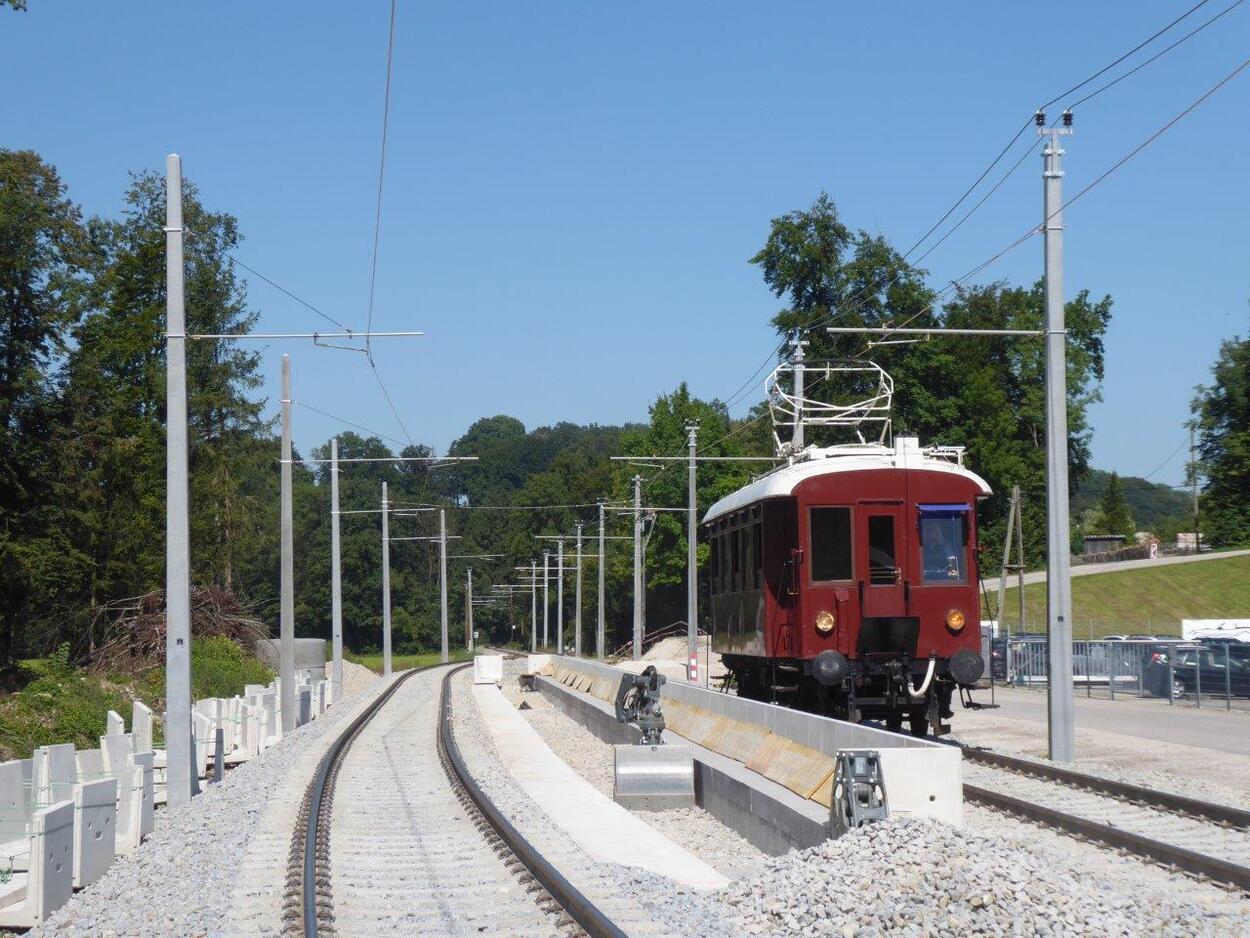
(133, 630)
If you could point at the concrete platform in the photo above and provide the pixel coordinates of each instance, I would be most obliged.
(923, 778)
(604, 829)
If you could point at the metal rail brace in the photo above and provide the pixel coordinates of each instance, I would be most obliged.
(859, 796)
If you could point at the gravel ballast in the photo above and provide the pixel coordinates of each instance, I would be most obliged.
(179, 881)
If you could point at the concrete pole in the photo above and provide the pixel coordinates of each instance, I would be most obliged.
(577, 597)
(799, 389)
(637, 644)
(177, 523)
(468, 611)
(602, 576)
(546, 601)
(336, 580)
(534, 606)
(692, 559)
(286, 651)
(1058, 575)
(386, 584)
(560, 595)
(444, 653)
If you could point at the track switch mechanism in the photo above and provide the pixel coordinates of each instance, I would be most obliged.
(638, 702)
(858, 790)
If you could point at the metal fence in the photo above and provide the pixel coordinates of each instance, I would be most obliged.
(1178, 671)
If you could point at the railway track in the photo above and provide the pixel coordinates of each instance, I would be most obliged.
(1201, 838)
(416, 846)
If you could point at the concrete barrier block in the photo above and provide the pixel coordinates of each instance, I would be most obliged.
(141, 726)
(29, 898)
(535, 664)
(114, 724)
(95, 829)
(924, 782)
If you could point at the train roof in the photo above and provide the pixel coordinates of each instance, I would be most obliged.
(815, 461)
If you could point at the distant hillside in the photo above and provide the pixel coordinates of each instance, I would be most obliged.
(1150, 502)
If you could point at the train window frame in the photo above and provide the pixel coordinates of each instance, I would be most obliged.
(850, 544)
(878, 578)
(943, 514)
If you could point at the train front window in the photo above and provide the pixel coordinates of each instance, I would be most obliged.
(943, 546)
(882, 565)
(831, 544)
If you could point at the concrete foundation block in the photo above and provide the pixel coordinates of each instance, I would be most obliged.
(488, 669)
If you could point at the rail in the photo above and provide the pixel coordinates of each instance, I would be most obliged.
(310, 853)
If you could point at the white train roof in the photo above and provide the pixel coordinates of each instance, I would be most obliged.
(815, 461)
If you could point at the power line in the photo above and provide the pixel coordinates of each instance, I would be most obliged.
(281, 289)
(356, 426)
(390, 403)
(1179, 447)
(1157, 55)
(377, 220)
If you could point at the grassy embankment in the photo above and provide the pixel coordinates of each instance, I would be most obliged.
(1150, 601)
(65, 704)
(403, 662)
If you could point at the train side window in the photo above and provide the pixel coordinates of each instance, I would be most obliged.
(714, 564)
(943, 540)
(831, 543)
(882, 562)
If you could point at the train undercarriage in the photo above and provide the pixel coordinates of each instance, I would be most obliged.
(892, 690)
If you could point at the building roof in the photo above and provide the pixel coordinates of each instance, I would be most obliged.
(814, 461)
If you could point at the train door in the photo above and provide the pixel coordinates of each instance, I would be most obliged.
(881, 536)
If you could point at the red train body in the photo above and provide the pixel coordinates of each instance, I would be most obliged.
(846, 582)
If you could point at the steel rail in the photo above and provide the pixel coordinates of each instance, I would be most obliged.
(1191, 861)
(315, 832)
(1166, 801)
(584, 912)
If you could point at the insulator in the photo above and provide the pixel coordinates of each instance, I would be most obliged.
(1039, 118)
(1067, 118)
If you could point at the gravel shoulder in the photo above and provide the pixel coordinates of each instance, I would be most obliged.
(215, 867)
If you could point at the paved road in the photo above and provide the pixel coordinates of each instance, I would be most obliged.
(1208, 728)
(1039, 576)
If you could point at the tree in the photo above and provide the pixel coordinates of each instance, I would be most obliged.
(42, 245)
(983, 393)
(1113, 514)
(1222, 413)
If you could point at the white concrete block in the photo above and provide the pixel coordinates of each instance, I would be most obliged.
(488, 669)
(924, 782)
(114, 724)
(538, 664)
(28, 898)
(147, 805)
(54, 772)
(141, 726)
(118, 750)
(95, 829)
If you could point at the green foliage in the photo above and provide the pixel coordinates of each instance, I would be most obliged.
(984, 393)
(1151, 503)
(1222, 413)
(1113, 512)
(63, 705)
(219, 668)
(15, 4)
(403, 662)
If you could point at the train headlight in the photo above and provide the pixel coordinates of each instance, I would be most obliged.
(955, 620)
(825, 622)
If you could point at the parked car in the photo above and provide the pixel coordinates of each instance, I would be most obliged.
(1200, 664)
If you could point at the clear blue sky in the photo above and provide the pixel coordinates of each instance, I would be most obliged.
(574, 188)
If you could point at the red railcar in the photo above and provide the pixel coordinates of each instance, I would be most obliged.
(846, 582)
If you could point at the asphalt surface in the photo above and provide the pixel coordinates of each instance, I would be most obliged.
(1210, 727)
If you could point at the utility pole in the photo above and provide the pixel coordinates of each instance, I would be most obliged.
(386, 585)
(336, 580)
(1058, 574)
(534, 606)
(468, 611)
(442, 583)
(546, 601)
(177, 523)
(560, 594)
(692, 559)
(577, 612)
(286, 639)
(637, 568)
(602, 575)
(797, 438)
(1193, 481)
